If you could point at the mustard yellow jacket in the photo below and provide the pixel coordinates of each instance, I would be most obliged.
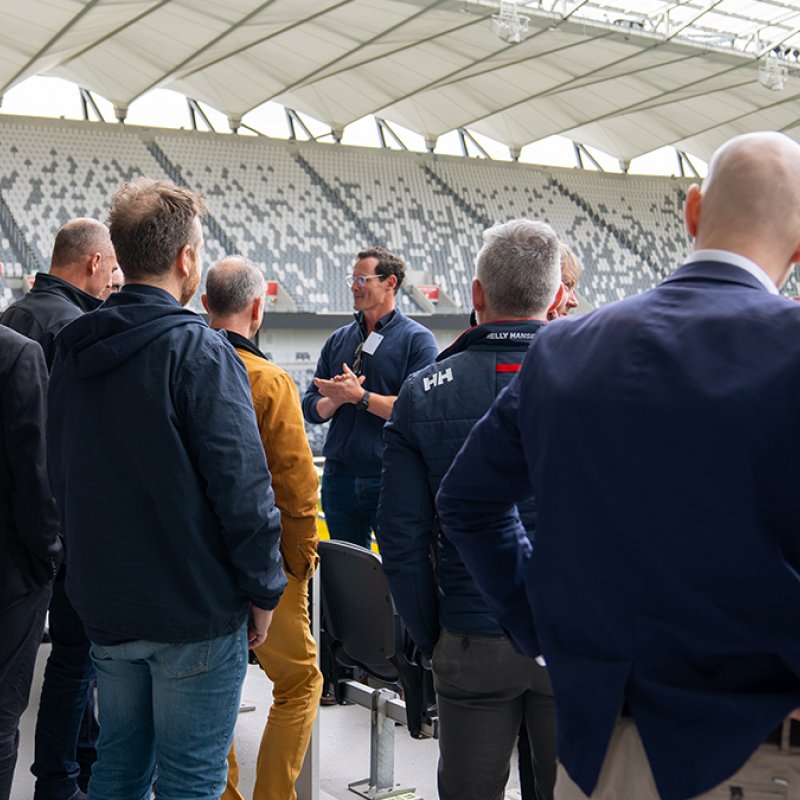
(294, 479)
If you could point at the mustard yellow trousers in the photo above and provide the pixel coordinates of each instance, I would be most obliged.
(289, 657)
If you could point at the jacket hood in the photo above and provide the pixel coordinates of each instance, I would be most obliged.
(101, 340)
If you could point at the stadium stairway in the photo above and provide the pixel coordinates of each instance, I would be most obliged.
(229, 245)
(335, 198)
(480, 219)
(622, 238)
(27, 256)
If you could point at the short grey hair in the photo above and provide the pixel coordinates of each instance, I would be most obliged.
(519, 267)
(232, 284)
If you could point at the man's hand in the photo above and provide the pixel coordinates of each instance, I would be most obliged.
(257, 626)
(341, 389)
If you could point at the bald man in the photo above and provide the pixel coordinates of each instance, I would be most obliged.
(234, 300)
(81, 266)
(80, 272)
(660, 437)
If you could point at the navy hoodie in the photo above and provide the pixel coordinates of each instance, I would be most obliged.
(159, 472)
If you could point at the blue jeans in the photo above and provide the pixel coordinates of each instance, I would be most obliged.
(67, 683)
(169, 708)
(350, 504)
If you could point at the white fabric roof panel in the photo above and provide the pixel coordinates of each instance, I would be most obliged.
(626, 77)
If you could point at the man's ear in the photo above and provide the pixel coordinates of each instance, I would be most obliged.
(93, 263)
(204, 301)
(478, 295)
(184, 259)
(691, 209)
(257, 310)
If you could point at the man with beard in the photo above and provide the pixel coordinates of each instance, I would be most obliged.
(169, 517)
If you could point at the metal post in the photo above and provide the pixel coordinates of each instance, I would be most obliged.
(381, 755)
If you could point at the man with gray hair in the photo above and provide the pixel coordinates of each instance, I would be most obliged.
(234, 300)
(485, 690)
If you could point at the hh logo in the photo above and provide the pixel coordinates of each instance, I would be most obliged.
(437, 379)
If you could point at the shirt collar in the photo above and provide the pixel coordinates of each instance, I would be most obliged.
(381, 323)
(735, 260)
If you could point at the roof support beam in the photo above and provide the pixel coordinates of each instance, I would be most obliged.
(383, 128)
(467, 139)
(129, 23)
(684, 161)
(87, 103)
(251, 45)
(300, 82)
(227, 32)
(293, 118)
(580, 151)
(196, 111)
(690, 22)
(48, 45)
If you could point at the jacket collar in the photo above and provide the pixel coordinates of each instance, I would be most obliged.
(718, 271)
(511, 334)
(241, 343)
(50, 284)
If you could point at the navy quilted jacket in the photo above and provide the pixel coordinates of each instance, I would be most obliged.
(435, 411)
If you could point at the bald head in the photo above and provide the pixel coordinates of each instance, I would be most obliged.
(234, 296)
(750, 202)
(84, 256)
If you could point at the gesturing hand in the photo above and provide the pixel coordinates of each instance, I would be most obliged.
(341, 389)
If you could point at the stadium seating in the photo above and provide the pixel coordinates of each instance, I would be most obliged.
(272, 211)
(58, 172)
(303, 210)
(406, 211)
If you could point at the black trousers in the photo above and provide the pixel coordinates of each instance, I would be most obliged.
(485, 692)
(68, 682)
(21, 626)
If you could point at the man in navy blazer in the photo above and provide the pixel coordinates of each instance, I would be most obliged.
(661, 438)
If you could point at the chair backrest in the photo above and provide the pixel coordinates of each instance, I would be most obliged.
(360, 617)
(359, 613)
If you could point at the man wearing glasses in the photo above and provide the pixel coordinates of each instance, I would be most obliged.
(358, 376)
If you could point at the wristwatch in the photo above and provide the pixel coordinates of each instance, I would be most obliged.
(363, 403)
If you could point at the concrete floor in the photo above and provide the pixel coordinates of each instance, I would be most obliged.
(343, 746)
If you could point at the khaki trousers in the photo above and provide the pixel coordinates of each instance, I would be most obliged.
(771, 773)
(289, 657)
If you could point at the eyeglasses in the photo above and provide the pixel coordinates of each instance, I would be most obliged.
(361, 280)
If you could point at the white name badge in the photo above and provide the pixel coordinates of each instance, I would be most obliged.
(372, 343)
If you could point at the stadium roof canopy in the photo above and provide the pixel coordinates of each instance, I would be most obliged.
(625, 76)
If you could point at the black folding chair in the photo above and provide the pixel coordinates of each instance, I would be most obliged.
(366, 631)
